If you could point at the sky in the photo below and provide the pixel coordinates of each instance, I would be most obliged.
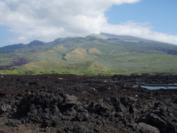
(160, 14)
(22, 21)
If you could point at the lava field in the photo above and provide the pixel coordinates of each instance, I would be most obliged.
(80, 104)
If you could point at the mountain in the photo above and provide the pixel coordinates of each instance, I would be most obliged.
(94, 54)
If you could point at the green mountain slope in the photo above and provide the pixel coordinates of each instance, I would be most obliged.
(94, 54)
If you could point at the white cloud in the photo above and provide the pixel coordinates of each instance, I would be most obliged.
(139, 30)
(47, 20)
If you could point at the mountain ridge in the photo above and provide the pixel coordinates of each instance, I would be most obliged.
(93, 54)
(103, 36)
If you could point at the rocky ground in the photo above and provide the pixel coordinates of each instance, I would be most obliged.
(74, 104)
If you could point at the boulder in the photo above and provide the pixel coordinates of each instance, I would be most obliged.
(70, 99)
(118, 106)
(126, 101)
(4, 108)
(80, 129)
(82, 114)
(146, 128)
(162, 124)
(175, 101)
(100, 108)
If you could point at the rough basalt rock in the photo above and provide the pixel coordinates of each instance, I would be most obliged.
(146, 128)
(86, 105)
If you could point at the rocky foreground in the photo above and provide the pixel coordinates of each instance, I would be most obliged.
(73, 104)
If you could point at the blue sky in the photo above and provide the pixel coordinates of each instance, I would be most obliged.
(23, 21)
(5, 36)
(160, 14)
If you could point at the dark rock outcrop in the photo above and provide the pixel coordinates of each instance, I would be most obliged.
(71, 105)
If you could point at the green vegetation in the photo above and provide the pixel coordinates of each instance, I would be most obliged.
(91, 56)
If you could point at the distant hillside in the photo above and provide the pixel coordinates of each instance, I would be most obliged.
(94, 54)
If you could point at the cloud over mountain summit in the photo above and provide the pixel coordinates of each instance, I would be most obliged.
(47, 20)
